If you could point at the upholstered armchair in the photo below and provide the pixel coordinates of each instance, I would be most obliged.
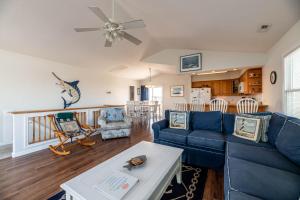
(114, 123)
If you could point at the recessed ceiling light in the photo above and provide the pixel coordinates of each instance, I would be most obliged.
(212, 72)
(235, 69)
(264, 28)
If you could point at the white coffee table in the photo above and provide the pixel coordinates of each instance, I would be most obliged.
(163, 163)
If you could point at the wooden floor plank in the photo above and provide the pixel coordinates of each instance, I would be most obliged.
(38, 175)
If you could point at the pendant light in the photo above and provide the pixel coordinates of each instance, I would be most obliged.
(149, 84)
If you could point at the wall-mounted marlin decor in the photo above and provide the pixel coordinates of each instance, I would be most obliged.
(71, 91)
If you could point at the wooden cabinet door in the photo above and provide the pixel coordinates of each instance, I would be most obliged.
(226, 87)
(215, 88)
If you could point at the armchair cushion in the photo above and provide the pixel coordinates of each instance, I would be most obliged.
(211, 121)
(116, 126)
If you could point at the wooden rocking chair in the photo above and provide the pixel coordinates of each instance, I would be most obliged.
(66, 126)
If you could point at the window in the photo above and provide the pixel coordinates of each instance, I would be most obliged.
(292, 83)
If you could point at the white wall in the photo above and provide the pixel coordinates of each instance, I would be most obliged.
(211, 60)
(273, 94)
(166, 81)
(26, 83)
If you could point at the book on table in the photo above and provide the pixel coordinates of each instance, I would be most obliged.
(116, 185)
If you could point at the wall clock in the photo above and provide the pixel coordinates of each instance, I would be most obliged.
(273, 77)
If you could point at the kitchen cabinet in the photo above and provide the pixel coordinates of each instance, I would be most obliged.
(226, 88)
(252, 79)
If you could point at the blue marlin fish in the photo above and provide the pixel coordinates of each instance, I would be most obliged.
(71, 88)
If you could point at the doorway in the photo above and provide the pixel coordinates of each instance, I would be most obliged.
(156, 94)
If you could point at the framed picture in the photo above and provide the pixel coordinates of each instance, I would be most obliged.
(138, 91)
(191, 62)
(247, 128)
(177, 91)
(179, 120)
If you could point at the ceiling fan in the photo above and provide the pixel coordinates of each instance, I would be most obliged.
(113, 30)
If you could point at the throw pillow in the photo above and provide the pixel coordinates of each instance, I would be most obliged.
(247, 128)
(288, 141)
(179, 120)
(264, 125)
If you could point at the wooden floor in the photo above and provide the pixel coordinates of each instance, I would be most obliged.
(38, 175)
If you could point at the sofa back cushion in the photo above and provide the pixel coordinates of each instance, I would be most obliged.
(288, 140)
(211, 121)
(113, 114)
(275, 125)
(228, 123)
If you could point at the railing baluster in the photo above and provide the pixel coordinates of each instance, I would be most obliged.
(33, 129)
(45, 128)
(50, 128)
(39, 125)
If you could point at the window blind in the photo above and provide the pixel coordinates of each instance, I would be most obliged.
(292, 83)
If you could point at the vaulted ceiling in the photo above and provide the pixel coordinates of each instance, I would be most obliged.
(44, 28)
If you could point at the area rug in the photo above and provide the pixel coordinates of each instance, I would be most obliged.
(192, 187)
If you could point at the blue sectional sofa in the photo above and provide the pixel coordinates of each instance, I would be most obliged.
(252, 170)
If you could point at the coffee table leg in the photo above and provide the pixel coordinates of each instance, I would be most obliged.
(68, 197)
(178, 174)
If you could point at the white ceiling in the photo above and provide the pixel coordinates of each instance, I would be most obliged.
(44, 28)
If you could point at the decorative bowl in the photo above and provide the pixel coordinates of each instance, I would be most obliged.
(136, 162)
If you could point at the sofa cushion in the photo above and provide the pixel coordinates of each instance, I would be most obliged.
(235, 195)
(262, 181)
(211, 121)
(276, 123)
(206, 139)
(261, 155)
(177, 136)
(234, 139)
(288, 141)
(228, 123)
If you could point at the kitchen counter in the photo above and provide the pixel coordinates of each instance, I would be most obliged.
(232, 108)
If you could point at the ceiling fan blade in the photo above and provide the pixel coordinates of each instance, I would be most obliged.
(108, 43)
(133, 24)
(86, 29)
(97, 11)
(131, 38)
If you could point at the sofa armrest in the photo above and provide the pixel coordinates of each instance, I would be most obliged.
(102, 122)
(157, 126)
(127, 119)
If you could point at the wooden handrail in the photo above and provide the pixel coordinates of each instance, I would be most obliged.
(57, 110)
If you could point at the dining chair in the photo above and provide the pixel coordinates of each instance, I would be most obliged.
(247, 105)
(181, 106)
(197, 106)
(218, 105)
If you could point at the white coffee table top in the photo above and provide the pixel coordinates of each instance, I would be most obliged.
(160, 159)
